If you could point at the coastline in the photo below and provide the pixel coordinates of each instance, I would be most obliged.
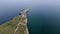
(16, 24)
(23, 21)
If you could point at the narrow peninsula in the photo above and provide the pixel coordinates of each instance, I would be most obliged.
(17, 25)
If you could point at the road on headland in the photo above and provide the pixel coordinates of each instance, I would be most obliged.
(22, 22)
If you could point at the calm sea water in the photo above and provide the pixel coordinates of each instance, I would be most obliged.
(43, 16)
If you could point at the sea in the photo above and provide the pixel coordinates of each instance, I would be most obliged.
(43, 16)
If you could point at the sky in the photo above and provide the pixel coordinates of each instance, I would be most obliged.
(8, 8)
(14, 4)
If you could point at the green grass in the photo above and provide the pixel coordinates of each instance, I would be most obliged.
(10, 26)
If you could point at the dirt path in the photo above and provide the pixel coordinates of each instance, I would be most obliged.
(22, 22)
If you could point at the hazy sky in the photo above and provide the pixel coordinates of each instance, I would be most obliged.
(6, 5)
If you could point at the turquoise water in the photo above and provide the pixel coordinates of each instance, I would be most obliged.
(43, 16)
